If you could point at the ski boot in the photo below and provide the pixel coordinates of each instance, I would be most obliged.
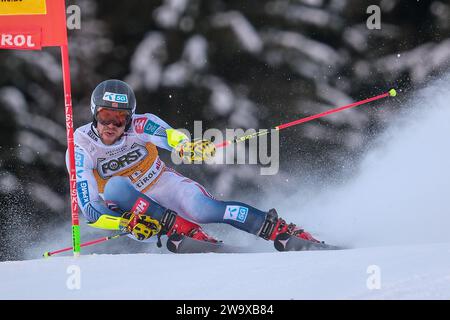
(275, 227)
(173, 224)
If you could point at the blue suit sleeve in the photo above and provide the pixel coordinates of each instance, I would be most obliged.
(91, 204)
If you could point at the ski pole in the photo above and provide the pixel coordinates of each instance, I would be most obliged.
(390, 93)
(89, 243)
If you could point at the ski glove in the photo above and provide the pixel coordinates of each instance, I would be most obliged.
(197, 150)
(141, 227)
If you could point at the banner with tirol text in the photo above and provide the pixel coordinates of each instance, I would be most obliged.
(32, 24)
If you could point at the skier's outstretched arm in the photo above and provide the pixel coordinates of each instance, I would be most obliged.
(153, 129)
(158, 132)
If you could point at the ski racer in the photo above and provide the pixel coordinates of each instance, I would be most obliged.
(122, 184)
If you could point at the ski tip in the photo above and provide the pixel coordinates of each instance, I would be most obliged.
(46, 254)
(392, 92)
(286, 242)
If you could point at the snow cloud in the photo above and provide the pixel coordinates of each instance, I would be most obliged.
(400, 192)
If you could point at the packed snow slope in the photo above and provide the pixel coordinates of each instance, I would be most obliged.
(394, 212)
(404, 272)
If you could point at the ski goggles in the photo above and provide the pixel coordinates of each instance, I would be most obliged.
(118, 118)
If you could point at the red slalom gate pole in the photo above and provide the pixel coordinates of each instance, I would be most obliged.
(70, 146)
(391, 93)
(89, 243)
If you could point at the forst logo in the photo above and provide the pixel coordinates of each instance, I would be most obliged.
(140, 207)
(122, 161)
(25, 41)
(110, 166)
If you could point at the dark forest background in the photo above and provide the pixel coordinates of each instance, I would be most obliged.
(231, 64)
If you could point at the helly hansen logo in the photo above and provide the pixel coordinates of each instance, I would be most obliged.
(140, 207)
(139, 124)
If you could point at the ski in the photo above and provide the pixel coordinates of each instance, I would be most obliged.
(177, 243)
(287, 242)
